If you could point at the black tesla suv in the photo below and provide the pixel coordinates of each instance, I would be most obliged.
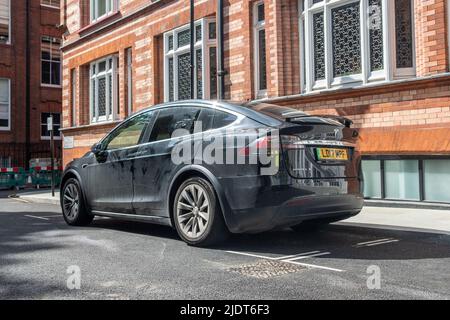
(208, 168)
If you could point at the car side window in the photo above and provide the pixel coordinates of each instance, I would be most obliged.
(222, 119)
(129, 134)
(171, 119)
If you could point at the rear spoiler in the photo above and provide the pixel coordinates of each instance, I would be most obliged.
(343, 120)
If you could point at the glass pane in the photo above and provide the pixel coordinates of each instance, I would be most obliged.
(372, 178)
(199, 65)
(45, 72)
(376, 35)
(102, 66)
(4, 21)
(170, 44)
(403, 32)
(56, 73)
(437, 180)
(222, 119)
(184, 76)
(198, 32)
(212, 30)
(262, 60)
(261, 12)
(184, 38)
(101, 96)
(171, 90)
(110, 94)
(101, 7)
(402, 179)
(172, 119)
(213, 72)
(346, 36)
(319, 46)
(129, 133)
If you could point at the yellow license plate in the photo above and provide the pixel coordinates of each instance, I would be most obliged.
(332, 154)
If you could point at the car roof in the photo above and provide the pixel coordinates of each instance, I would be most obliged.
(233, 106)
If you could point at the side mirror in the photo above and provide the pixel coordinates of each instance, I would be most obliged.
(97, 148)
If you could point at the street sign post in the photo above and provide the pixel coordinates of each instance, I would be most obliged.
(52, 149)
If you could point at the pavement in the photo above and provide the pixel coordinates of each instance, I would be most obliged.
(43, 258)
(408, 219)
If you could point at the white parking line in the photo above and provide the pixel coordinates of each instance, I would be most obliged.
(296, 255)
(283, 259)
(53, 216)
(375, 242)
(35, 217)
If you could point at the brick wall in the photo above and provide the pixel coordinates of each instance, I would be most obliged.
(44, 21)
(417, 107)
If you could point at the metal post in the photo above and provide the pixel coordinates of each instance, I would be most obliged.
(192, 26)
(220, 48)
(52, 157)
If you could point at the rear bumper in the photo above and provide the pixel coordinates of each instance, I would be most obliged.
(257, 204)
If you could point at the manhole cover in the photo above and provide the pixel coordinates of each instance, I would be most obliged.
(266, 269)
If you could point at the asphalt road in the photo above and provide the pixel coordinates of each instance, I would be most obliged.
(123, 260)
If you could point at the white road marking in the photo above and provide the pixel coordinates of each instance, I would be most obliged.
(379, 243)
(307, 257)
(308, 265)
(35, 217)
(368, 242)
(296, 255)
(53, 216)
(375, 242)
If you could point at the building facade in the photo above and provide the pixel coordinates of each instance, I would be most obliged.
(30, 79)
(382, 63)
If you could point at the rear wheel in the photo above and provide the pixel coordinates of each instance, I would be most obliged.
(73, 206)
(197, 214)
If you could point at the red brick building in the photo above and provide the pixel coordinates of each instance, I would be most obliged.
(382, 63)
(30, 79)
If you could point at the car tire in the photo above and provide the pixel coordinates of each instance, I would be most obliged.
(74, 208)
(197, 215)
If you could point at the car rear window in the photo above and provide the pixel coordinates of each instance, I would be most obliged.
(215, 119)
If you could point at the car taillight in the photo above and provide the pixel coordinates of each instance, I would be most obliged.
(291, 142)
(259, 146)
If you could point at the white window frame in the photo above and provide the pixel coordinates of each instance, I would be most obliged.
(51, 61)
(129, 57)
(110, 74)
(45, 124)
(257, 27)
(111, 7)
(8, 128)
(50, 5)
(388, 73)
(9, 24)
(204, 44)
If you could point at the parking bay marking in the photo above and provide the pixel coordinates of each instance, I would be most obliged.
(375, 242)
(291, 260)
(35, 217)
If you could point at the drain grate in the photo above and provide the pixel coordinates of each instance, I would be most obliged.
(265, 269)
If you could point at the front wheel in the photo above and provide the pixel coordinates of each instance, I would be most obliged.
(73, 206)
(197, 214)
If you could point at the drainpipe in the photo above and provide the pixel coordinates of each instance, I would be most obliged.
(192, 50)
(27, 88)
(220, 55)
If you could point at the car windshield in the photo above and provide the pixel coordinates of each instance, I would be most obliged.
(275, 111)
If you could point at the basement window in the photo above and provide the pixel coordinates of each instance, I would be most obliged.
(177, 62)
(103, 91)
(51, 3)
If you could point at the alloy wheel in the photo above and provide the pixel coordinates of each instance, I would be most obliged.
(71, 201)
(193, 211)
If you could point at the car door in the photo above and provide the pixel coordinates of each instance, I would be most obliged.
(154, 166)
(110, 186)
